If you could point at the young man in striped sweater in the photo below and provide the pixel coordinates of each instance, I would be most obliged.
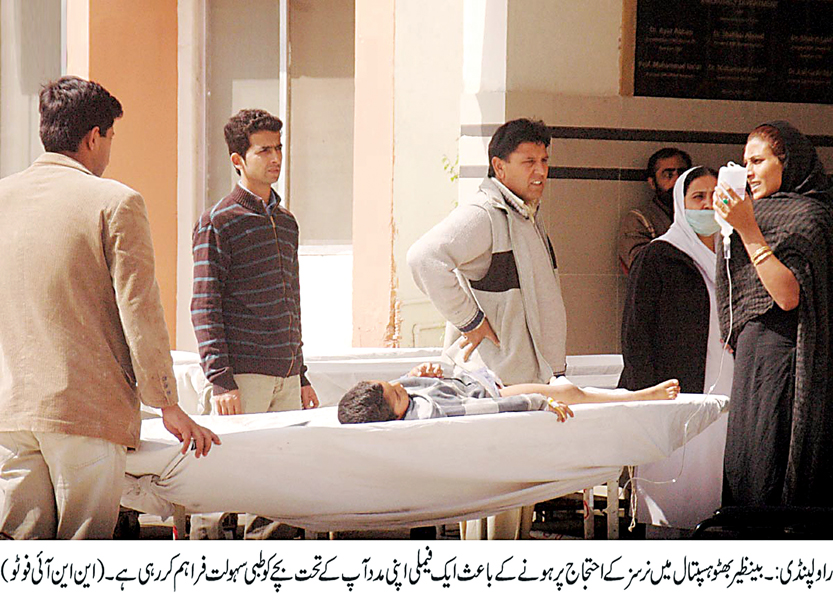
(246, 307)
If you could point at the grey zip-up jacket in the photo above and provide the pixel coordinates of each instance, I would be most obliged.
(491, 258)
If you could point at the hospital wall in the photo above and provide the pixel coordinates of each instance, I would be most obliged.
(132, 51)
(570, 64)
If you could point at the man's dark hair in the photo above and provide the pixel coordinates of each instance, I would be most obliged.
(663, 153)
(365, 403)
(512, 134)
(71, 107)
(245, 123)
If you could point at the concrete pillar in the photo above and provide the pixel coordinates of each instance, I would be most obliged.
(78, 38)
(483, 102)
(191, 174)
(374, 298)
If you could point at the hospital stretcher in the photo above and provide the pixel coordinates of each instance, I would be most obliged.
(305, 469)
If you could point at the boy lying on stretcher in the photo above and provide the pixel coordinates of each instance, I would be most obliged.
(425, 394)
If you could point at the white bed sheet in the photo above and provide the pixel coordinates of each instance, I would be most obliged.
(305, 469)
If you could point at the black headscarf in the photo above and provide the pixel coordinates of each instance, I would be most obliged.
(804, 173)
(797, 223)
(794, 221)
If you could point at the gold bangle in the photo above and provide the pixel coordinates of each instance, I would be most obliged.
(759, 258)
(762, 250)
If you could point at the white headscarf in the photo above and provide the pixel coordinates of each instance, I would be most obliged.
(683, 237)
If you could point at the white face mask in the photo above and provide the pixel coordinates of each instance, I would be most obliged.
(702, 221)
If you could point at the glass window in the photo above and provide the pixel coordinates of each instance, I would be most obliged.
(243, 63)
(30, 55)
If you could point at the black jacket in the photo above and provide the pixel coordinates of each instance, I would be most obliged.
(665, 323)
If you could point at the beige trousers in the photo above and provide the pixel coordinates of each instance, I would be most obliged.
(258, 394)
(265, 393)
(56, 485)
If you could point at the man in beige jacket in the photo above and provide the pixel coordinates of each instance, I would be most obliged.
(82, 333)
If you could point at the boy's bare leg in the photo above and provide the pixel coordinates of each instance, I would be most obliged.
(571, 394)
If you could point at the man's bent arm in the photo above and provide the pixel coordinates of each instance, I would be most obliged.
(633, 237)
(461, 241)
(129, 254)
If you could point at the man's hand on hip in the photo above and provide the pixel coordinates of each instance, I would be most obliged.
(228, 403)
(472, 339)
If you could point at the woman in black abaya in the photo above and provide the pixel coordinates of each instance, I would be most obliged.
(779, 448)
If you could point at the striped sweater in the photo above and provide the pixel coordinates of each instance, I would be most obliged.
(246, 306)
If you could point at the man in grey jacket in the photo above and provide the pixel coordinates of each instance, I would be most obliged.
(490, 269)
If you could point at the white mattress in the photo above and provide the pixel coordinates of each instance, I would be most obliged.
(305, 469)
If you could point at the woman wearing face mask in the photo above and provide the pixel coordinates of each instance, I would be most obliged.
(779, 449)
(670, 325)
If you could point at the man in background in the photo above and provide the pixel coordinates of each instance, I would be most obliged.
(654, 217)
